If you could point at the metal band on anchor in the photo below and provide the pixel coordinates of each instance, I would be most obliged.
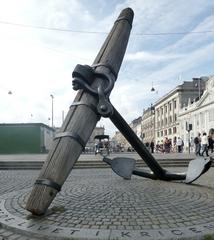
(74, 136)
(48, 183)
(123, 18)
(91, 106)
(79, 81)
(107, 66)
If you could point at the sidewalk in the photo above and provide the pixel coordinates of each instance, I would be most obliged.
(36, 161)
(88, 157)
(96, 204)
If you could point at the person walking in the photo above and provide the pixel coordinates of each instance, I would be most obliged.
(179, 144)
(152, 146)
(204, 142)
(197, 142)
(210, 143)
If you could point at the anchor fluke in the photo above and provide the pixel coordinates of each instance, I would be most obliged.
(122, 166)
(196, 168)
(125, 168)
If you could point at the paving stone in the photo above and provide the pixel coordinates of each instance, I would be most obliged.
(14, 237)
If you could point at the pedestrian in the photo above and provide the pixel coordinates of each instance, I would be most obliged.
(166, 145)
(170, 145)
(152, 145)
(210, 143)
(204, 143)
(191, 144)
(174, 148)
(197, 142)
(147, 145)
(179, 144)
(182, 145)
(96, 149)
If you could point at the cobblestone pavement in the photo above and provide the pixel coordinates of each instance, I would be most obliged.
(97, 204)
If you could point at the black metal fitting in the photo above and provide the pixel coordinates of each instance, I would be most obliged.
(104, 107)
(72, 135)
(48, 183)
(83, 78)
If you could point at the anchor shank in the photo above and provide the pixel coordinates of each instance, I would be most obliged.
(144, 173)
(174, 176)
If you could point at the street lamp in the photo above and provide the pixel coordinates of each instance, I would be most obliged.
(52, 97)
(152, 89)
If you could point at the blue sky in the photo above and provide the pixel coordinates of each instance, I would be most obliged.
(36, 63)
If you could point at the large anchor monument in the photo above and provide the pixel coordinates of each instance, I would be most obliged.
(94, 84)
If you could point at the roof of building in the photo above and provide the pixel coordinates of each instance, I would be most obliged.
(137, 120)
(27, 124)
(185, 86)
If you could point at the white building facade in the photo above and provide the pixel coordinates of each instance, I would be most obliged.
(168, 108)
(136, 126)
(199, 113)
(148, 125)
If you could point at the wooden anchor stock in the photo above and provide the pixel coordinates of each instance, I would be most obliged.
(80, 120)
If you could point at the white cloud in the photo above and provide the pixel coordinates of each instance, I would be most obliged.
(191, 42)
(150, 57)
(167, 15)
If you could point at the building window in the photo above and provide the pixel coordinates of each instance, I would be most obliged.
(162, 111)
(170, 106)
(165, 109)
(158, 112)
(175, 117)
(165, 120)
(175, 104)
(170, 119)
(183, 125)
(170, 131)
(174, 130)
(211, 115)
(197, 119)
(161, 133)
(202, 119)
(158, 134)
(162, 122)
(165, 132)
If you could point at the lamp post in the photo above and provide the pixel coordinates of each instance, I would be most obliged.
(152, 116)
(52, 97)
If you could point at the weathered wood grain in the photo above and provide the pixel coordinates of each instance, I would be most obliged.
(80, 119)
